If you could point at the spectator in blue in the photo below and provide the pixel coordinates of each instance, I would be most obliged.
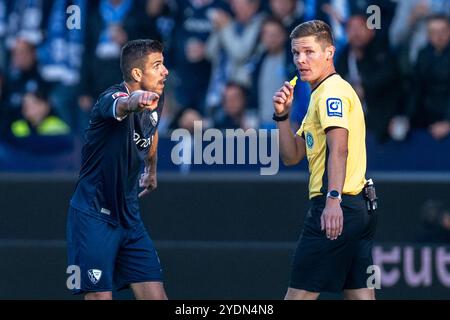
(292, 13)
(158, 23)
(409, 30)
(21, 31)
(333, 12)
(287, 12)
(408, 35)
(186, 119)
(430, 95)
(3, 28)
(193, 69)
(60, 57)
(384, 16)
(272, 66)
(110, 25)
(26, 20)
(271, 69)
(371, 69)
(232, 45)
(21, 77)
(232, 113)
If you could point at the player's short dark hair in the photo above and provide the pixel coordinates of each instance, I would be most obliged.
(134, 54)
(317, 28)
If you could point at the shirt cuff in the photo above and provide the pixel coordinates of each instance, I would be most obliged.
(114, 112)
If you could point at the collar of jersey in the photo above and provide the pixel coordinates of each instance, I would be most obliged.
(125, 85)
(334, 73)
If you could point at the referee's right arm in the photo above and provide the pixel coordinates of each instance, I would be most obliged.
(292, 146)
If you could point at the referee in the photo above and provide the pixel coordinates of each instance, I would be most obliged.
(335, 247)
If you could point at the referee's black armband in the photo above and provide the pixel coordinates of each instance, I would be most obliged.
(280, 118)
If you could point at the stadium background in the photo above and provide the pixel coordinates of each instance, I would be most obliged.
(222, 231)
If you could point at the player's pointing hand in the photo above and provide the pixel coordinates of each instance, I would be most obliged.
(140, 100)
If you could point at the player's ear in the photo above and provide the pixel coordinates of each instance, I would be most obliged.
(136, 74)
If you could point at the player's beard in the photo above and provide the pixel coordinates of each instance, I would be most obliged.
(158, 88)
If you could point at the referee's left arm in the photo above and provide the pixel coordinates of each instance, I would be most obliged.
(337, 142)
(332, 220)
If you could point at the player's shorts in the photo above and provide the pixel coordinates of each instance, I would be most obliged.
(324, 265)
(109, 257)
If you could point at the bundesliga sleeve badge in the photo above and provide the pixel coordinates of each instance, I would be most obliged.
(119, 94)
(334, 107)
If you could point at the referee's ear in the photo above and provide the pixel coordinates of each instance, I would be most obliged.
(330, 52)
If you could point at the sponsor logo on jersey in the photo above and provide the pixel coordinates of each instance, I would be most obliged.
(141, 142)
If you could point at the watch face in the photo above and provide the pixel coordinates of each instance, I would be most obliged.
(334, 193)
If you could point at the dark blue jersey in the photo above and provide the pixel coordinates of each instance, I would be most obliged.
(112, 159)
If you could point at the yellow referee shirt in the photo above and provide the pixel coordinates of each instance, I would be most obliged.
(334, 103)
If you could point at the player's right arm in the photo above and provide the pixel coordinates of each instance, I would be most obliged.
(137, 101)
(292, 146)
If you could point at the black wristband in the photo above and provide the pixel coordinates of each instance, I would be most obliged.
(280, 118)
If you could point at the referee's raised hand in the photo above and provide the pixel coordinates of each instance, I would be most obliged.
(140, 100)
(282, 100)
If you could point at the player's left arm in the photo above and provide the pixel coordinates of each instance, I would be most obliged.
(148, 179)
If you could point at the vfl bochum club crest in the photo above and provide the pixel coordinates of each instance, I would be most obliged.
(94, 275)
(154, 118)
(309, 140)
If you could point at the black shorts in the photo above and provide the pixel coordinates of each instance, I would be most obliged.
(324, 265)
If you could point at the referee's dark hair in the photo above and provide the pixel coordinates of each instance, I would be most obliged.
(134, 54)
(316, 28)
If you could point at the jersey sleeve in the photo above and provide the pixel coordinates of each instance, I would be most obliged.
(301, 130)
(107, 104)
(333, 109)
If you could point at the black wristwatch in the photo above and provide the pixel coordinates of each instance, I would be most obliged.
(280, 118)
(334, 194)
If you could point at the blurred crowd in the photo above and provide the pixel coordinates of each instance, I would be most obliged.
(226, 59)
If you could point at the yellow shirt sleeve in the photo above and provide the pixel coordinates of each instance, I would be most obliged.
(333, 111)
(300, 130)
